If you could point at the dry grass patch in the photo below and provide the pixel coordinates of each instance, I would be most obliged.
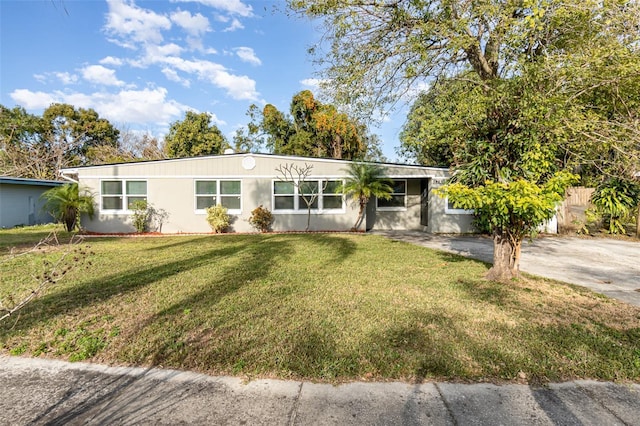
(332, 307)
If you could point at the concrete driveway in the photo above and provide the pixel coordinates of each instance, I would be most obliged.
(607, 266)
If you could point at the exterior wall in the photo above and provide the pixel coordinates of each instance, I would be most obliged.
(407, 218)
(443, 221)
(171, 187)
(176, 197)
(21, 205)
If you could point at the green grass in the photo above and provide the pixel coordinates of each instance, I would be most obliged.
(321, 307)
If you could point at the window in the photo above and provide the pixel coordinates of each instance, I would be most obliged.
(227, 193)
(330, 199)
(450, 209)
(286, 196)
(398, 200)
(283, 195)
(309, 193)
(121, 194)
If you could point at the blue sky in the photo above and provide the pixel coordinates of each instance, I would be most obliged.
(142, 64)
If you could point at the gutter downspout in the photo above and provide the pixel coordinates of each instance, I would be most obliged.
(68, 178)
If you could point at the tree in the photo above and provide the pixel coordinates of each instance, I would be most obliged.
(37, 147)
(194, 136)
(512, 211)
(365, 180)
(78, 130)
(131, 147)
(519, 90)
(307, 190)
(66, 202)
(312, 129)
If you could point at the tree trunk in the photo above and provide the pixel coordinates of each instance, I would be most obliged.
(638, 222)
(360, 216)
(506, 258)
(70, 216)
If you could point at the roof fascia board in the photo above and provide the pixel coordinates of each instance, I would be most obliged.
(277, 156)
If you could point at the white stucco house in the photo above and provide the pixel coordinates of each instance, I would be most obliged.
(20, 202)
(183, 188)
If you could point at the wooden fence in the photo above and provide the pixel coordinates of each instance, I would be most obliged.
(571, 214)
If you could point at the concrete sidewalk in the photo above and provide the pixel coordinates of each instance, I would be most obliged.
(607, 266)
(45, 392)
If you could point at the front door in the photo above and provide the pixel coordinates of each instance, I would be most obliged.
(424, 202)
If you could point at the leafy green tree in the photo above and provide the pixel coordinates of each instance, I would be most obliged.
(194, 136)
(77, 130)
(312, 129)
(67, 202)
(519, 90)
(512, 211)
(363, 181)
(37, 147)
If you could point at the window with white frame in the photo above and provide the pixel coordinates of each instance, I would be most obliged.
(398, 200)
(451, 209)
(121, 194)
(227, 193)
(321, 194)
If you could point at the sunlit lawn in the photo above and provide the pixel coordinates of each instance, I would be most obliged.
(323, 307)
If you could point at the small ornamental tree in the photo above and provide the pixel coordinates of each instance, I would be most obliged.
(512, 211)
(363, 182)
(261, 219)
(308, 190)
(65, 203)
(218, 218)
(141, 215)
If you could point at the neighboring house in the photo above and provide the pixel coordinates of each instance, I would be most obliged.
(20, 202)
(183, 188)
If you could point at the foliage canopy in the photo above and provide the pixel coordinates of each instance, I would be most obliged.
(194, 136)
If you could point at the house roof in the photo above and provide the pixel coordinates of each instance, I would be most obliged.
(284, 157)
(32, 182)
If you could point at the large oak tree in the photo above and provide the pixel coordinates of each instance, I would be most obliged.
(517, 90)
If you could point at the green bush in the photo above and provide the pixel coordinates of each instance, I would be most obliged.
(141, 215)
(218, 218)
(615, 200)
(261, 219)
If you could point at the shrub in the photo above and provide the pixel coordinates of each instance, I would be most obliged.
(615, 200)
(218, 218)
(141, 215)
(261, 218)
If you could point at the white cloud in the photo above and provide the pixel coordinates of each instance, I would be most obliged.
(127, 106)
(248, 55)
(313, 83)
(130, 24)
(234, 7)
(172, 75)
(110, 60)
(238, 87)
(101, 75)
(235, 25)
(66, 78)
(157, 53)
(32, 100)
(196, 25)
(216, 120)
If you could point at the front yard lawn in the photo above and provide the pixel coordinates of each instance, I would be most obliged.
(320, 307)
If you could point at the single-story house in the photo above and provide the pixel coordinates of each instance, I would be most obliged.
(20, 202)
(179, 190)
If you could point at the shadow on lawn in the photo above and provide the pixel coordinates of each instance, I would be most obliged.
(518, 345)
(75, 297)
(205, 329)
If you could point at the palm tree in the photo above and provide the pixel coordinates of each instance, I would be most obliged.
(66, 202)
(365, 180)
